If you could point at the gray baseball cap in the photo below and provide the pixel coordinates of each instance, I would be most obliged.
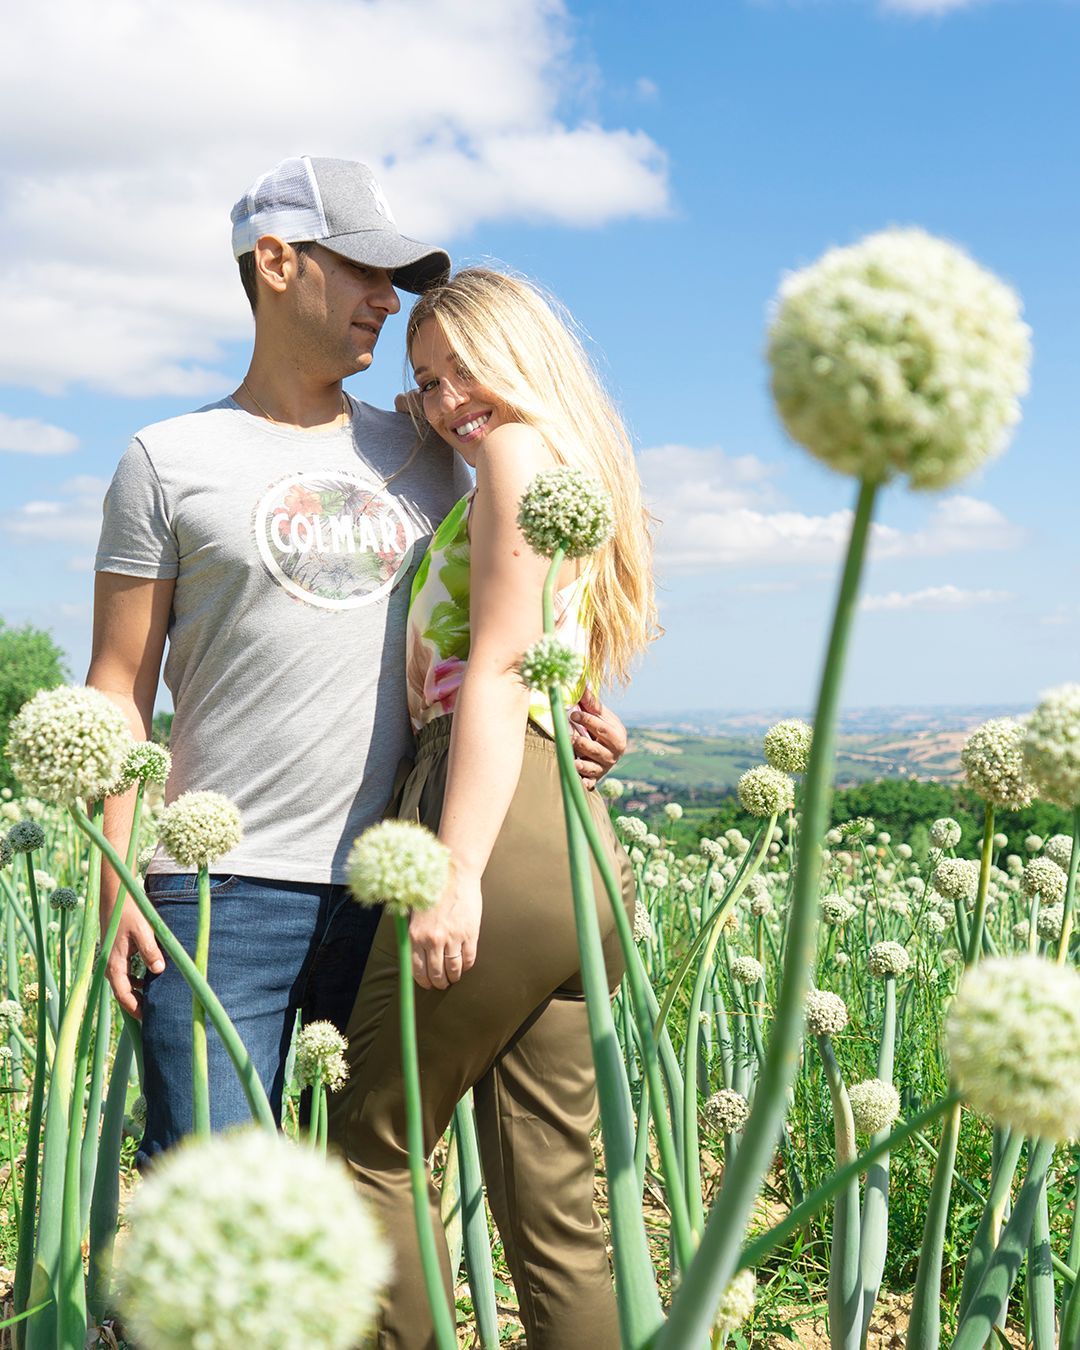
(339, 204)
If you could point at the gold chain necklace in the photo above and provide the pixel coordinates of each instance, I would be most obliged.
(345, 410)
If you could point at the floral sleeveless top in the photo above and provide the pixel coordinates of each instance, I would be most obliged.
(437, 637)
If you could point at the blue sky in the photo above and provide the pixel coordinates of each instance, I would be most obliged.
(659, 169)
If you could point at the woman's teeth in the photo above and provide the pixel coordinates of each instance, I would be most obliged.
(467, 428)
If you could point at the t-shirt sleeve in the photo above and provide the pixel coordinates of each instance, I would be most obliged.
(136, 536)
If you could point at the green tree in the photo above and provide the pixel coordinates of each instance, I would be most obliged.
(29, 660)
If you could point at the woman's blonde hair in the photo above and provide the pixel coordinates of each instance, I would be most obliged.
(521, 345)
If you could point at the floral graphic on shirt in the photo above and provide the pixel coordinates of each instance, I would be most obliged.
(333, 538)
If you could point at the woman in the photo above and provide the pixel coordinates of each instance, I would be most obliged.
(500, 1006)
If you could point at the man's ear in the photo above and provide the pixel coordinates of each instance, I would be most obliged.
(275, 262)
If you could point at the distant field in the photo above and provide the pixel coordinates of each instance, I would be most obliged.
(662, 758)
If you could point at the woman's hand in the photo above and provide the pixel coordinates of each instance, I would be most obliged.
(444, 937)
(599, 739)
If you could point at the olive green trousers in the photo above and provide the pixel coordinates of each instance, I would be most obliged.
(514, 1030)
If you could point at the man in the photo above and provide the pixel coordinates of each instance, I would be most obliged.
(272, 537)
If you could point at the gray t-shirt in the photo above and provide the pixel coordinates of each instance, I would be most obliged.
(293, 561)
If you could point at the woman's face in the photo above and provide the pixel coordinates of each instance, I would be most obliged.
(459, 409)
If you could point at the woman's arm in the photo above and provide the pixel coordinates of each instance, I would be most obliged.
(487, 742)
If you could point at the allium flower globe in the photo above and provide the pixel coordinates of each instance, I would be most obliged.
(727, 1110)
(400, 864)
(836, 911)
(673, 811)
(26, 837)
(199, 827)
(787, 746)
(632, 828)
(1045, 879)
(566, 508)
(643, 929)
(875, 1105)
(550, 663)
(1033, 843)
(765, 791)
(64, 898)
(945, 833)
(887, 958)
(145, 762)
(68, 743)
(293, 1258)
(1052, 746)
(712, 850)
(611, 788)
(1012, 1033)
(746, 970)
(956, 879)
(826, 1013)
(899, 354)
(1059, 850)
(934, 923)
(1048, 924)
(737, 1303)
(320, 1056)
(994, 764)
(11, 1012)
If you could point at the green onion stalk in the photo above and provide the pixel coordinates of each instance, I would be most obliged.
(698, 1295)
(1040, 1279)
(445, 1334)
(28, 1218)
(1070, 1310)
(105, 1200)
(635, 1278)
(216, 1014)
(845, 1291)
(200, 1065)
(874, 1239)
(57, 1271)
(924, 1327)
(477, 1242)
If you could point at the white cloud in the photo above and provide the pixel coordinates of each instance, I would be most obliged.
(948, 597)
(73, 518)
(920, 7)
(717, 510)
(28, 436)
(141, 124)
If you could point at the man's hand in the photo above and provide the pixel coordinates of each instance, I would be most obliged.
(599, 739)
(133, 937)
(444, 937)
(410, 402)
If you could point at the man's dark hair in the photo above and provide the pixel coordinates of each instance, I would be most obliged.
(246, 264)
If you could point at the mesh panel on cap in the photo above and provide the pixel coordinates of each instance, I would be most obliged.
(284, 202)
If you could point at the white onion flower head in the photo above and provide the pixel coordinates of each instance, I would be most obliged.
(655, 875)
(68, 743)
(887, 958)
(712, 850)
(727, 1110)
(765, 791)
(875, 1105)
(320, 1056)
(200, 827)
(1052, 746)
(787, 746)
(736, 1303)
(1012, 1033)
(746, 970)
(934, 922)
(1059, 850)
(826, 1013)
(64, 898)
(637, 857)
(549, 663)
(841, 959)
(899, 354)
(734, 835)
(916, 885)
(1000, 840)
(145, 762)
(399, 864)
(956, 878)
(994, 764)
(673, 811)
(632, 828)
(568, 509)
(858, 827)
(652, 840)
(1048, 924)
(293, 1258)
(643, 929)
(1044, 878)
(11, 1012)
(727, 872)
(761, 905)
(945, 833)
(836, 911)
(1021, 932)
(26, 837)
(1033, 843)
(612, 788)
(833, 837)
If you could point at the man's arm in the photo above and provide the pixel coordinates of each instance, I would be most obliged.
(131, 619)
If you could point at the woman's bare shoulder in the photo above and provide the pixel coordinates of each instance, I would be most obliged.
(512, 453)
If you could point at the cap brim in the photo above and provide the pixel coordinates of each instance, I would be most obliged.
(414, 266)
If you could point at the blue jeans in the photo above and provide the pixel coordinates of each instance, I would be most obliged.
(276, 947)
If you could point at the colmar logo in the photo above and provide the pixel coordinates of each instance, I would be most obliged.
(334, 540)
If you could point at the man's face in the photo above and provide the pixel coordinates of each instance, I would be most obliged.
(338, 309)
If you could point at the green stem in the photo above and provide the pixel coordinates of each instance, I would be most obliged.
(445, 1335)
(978, 918)
(1040, 1278)
(1069, 903)
(844, 1285)
(989, 1228)
(105, 1202)
(874, 1239)
(714, 1265)
(924, 1329)
(475, 1229)
(200, 1067)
